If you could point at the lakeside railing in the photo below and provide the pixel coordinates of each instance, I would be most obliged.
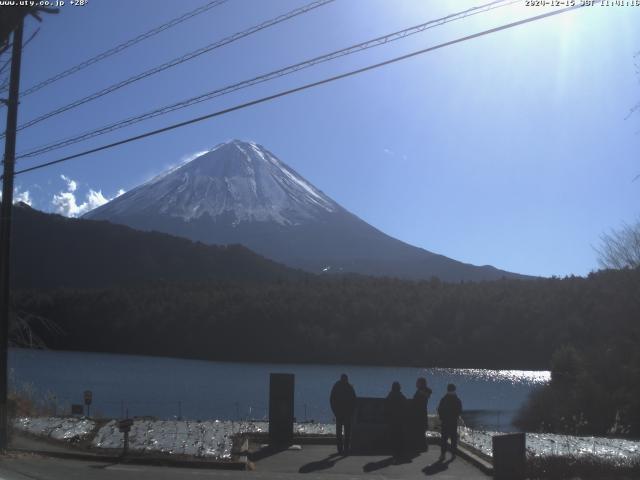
(182, 410)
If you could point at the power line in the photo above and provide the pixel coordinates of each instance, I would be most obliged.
(24, 46)
(299, 89)
(124, 45)
(268, 76)
(178, 60)
(4, 82)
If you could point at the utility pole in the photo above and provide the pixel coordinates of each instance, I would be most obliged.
(5, 227)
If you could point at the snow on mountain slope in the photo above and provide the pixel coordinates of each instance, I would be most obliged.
(239, 192)
(237, 178)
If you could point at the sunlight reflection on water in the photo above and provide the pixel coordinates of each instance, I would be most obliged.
(530, 377)
(171, 388)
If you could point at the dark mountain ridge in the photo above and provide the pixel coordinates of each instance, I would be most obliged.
(51, 251)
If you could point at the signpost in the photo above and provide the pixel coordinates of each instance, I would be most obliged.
(88, 397)
(125, 427)
(281, 387)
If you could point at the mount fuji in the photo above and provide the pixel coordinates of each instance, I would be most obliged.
(240, 193)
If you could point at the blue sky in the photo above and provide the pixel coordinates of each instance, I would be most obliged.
(513, 149)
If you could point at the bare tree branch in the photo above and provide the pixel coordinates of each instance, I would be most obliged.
(620, 248)
(21, 330)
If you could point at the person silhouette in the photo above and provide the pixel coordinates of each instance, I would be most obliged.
(419, 417)
(449, 409)
(343, 403)
(395, 408)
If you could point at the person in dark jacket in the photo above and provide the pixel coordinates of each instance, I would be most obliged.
(419, 417)
(395, 408)
(343, 403)
(449, 410)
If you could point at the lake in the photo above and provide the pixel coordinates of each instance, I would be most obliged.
(193, 389)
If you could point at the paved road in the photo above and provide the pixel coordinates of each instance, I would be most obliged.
(320, 461)
(311, 463)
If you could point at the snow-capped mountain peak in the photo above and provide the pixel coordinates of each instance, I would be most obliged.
(239, 192)
(240, 179)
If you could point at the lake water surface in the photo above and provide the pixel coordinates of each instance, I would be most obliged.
(192, 389)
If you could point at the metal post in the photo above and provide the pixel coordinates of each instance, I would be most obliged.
(5, 227)
(125, 449)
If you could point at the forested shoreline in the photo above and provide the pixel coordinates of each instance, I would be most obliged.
(586, 330)
(501, 324)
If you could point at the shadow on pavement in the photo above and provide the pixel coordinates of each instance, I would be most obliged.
(387, 462)
(436, 467)
(372, 466)
(267, 451)
(323, 464)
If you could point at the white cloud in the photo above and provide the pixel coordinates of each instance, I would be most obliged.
(24, 197)
(72, 185)
(20, 196)
(65, 203)
(154, 177)
(391, 153)
(192, 156)
(95, 199)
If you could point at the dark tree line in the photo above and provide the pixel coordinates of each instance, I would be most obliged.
(502, 324)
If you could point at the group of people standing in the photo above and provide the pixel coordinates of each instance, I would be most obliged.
(407, 419)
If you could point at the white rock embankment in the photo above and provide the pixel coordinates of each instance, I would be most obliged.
(203, 439)
(214, 439)
(548, 444)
